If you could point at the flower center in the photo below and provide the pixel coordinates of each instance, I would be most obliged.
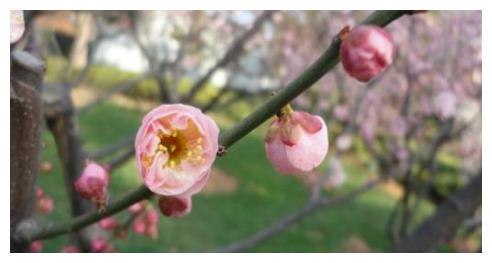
(181, 144)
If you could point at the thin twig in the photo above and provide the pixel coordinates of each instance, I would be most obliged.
(233, 51)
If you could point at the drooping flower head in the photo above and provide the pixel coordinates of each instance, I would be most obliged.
(366, 51)
(17, 26)
(175, 206)
(93, 183)
(296, 142)
(175, 148)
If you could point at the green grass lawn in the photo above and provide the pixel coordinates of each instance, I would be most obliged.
(262, 196)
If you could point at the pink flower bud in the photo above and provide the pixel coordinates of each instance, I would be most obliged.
(17, 26)
(445, 105)
(366, 52)
(152, 231)
(139, 226)
(36, 246)
(46, 167)
(137, 207)
(45, 205)
(296, 142)
(108, 223)
(70, 249)
(93, 184)
(100, 245)
(147, 223)
(175, 206)
(175, 148)
(39, 192)
(152, 217)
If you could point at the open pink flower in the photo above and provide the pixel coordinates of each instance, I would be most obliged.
(17, 26)
(108, 223)
(175, 148)
(175, 206)
(296, 142)
(93, 183)
(366, 52)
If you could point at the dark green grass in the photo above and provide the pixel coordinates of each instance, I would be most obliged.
(262, 196)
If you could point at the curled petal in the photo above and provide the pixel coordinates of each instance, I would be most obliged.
(290, 134)
(310, 123)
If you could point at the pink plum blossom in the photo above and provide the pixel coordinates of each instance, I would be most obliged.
(100, 245)
(17, 26)
(137, 207)
(175, 148)
(296, 142)
(445, 104)
(139, 225)
(108, 223)
(366, 52)
(44, 203)
(36, 246)
(93, 183)
(147, 222)
(175, 206)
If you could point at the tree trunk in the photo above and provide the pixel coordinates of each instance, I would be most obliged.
(25, 142)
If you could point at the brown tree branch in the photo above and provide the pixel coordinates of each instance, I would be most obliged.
(443, 224)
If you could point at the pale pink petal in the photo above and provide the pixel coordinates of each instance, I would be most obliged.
(310, 151)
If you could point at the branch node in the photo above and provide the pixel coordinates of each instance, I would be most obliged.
(222, 151)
